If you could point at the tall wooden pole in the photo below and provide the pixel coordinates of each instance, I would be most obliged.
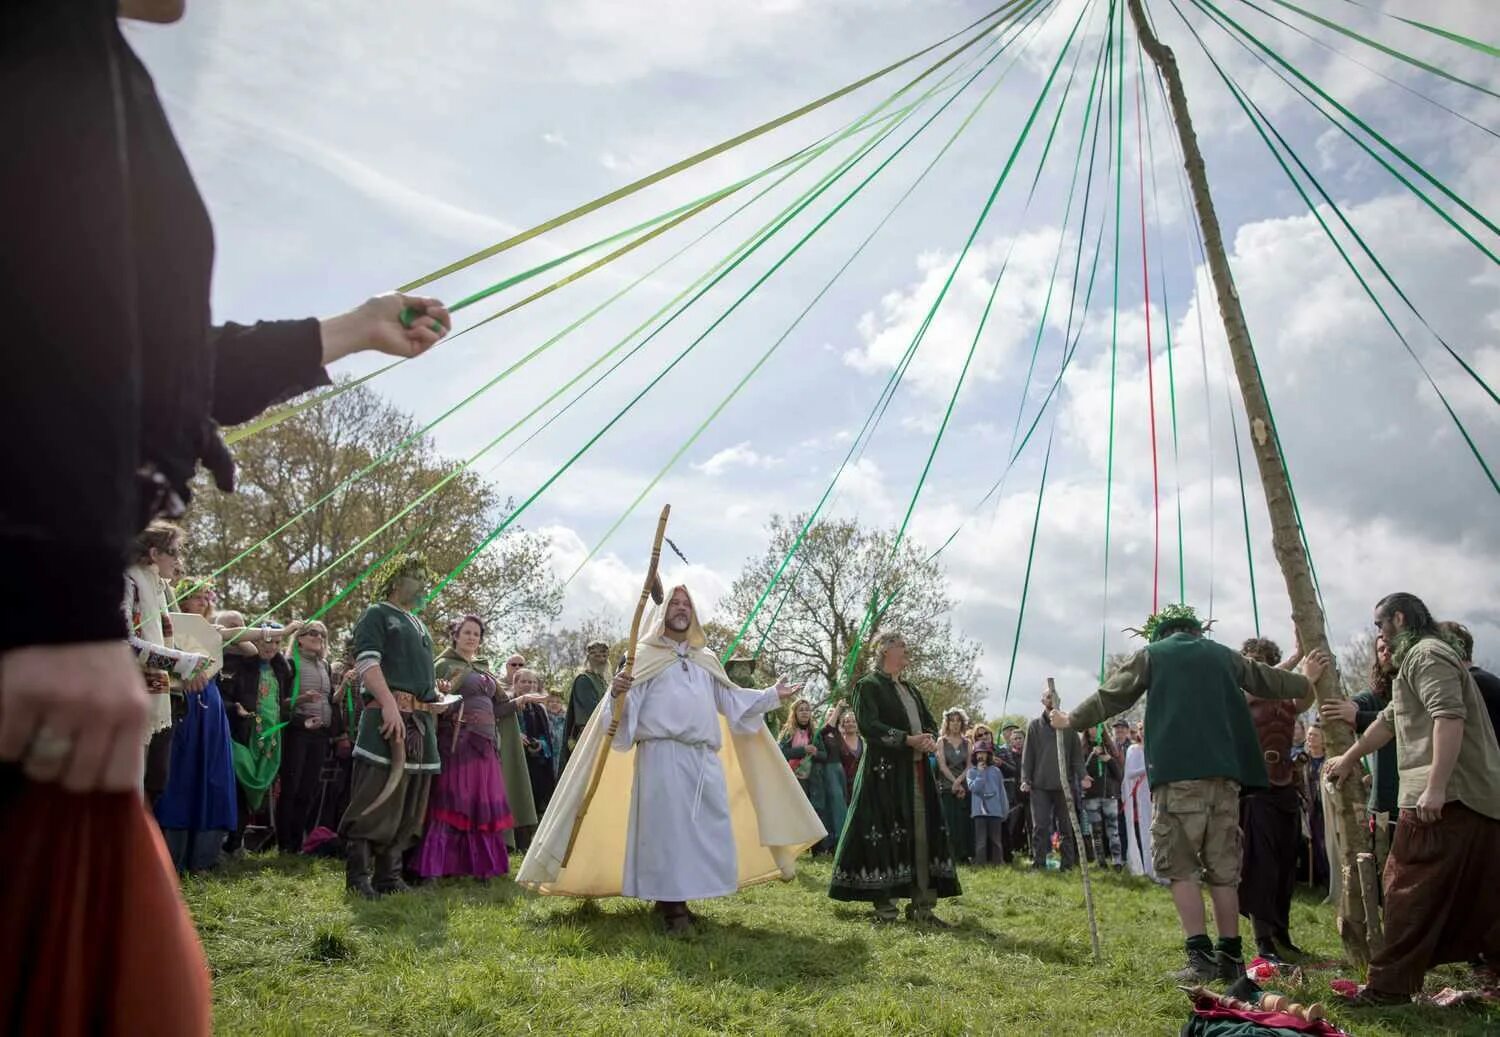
(1307, 616)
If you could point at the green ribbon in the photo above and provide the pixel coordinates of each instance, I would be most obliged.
(1114, 342)
(776, 344)
(1344, 30)
(870, 614)
(1166, 307)
(1376, 72)
(1036, 525)
(1244, 35)
(1259, 120)
(573, 326)
(671, 365)
(708, 153)
(692, 208)
(856, 447)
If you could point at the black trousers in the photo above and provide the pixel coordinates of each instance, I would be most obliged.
(1270, 822)
(1014, 832)
(302, 756)
(1049, 810)
(158, 765)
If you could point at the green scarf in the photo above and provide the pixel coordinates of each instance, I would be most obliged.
(256, 764)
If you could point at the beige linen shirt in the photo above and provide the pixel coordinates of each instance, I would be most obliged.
(1433, 683)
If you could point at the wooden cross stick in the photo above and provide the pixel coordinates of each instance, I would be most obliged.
(1067, 789)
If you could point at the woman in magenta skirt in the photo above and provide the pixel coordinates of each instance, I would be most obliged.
(467, 812)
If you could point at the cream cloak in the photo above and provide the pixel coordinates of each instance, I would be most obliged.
(770, 816)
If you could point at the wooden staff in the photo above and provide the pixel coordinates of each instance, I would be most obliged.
(651, 589)
(1067, 788)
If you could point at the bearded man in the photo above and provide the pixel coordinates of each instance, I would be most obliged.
(1441, 901)
(711, 806)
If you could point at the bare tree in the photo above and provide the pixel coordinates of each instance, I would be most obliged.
(812, 621)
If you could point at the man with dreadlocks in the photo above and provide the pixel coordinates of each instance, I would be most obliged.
(395, 753)
(1442, 903)
(1201, 751)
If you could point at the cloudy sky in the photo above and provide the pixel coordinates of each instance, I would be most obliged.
(345, 148)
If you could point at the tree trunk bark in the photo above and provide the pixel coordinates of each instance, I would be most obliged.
(1307, 616)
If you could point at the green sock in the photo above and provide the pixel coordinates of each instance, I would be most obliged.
(1200, 943)
(1230, 946)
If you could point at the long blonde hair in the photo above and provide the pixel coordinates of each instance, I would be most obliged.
(790, 726)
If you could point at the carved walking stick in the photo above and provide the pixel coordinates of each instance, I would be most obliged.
(1083, 863)
(652, 589)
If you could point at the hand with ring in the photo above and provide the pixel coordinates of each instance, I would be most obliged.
(75, 713)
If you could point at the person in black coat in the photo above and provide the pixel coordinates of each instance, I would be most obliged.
(120, 383)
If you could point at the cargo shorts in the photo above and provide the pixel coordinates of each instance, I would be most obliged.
(1195, 831)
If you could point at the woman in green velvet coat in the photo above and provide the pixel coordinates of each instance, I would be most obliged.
(815, 762)
(894, 844)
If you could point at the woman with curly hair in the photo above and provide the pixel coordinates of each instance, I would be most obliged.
(467, 812)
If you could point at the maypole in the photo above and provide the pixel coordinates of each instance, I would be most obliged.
(1286, 539)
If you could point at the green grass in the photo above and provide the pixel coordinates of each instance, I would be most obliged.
(291, 955)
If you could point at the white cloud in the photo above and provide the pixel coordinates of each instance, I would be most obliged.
(887, 334)
(741, 455)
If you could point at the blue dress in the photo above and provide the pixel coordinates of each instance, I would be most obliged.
(197, 809)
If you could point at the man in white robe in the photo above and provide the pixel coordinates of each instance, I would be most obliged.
(703, 818)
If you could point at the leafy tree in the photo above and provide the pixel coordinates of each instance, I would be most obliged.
(298, 462)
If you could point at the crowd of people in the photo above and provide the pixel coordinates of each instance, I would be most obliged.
(125, 687)
(417, 764)
(260, 731)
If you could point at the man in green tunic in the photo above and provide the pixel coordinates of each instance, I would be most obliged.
(394, 659)
(894, 843)
(1202, 749)
(585, 695)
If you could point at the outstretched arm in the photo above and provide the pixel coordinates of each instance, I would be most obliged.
(1122, 690)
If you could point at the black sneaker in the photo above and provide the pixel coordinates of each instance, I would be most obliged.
(1201, 968)
(1227, 967)
(1288, 951)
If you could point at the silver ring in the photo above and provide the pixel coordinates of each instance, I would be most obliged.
(47, 746)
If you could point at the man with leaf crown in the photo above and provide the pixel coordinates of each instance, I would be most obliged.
(1200, 751)
(395, 753)
(695, 800)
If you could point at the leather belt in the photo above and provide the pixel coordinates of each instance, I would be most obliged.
(406, 702)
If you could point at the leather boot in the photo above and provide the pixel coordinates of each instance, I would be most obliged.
(388, 873)
(357, 869)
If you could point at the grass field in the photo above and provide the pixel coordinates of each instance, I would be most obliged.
(291, 955)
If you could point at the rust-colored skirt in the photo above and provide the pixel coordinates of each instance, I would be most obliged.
(94, 936)
(1442, 900)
